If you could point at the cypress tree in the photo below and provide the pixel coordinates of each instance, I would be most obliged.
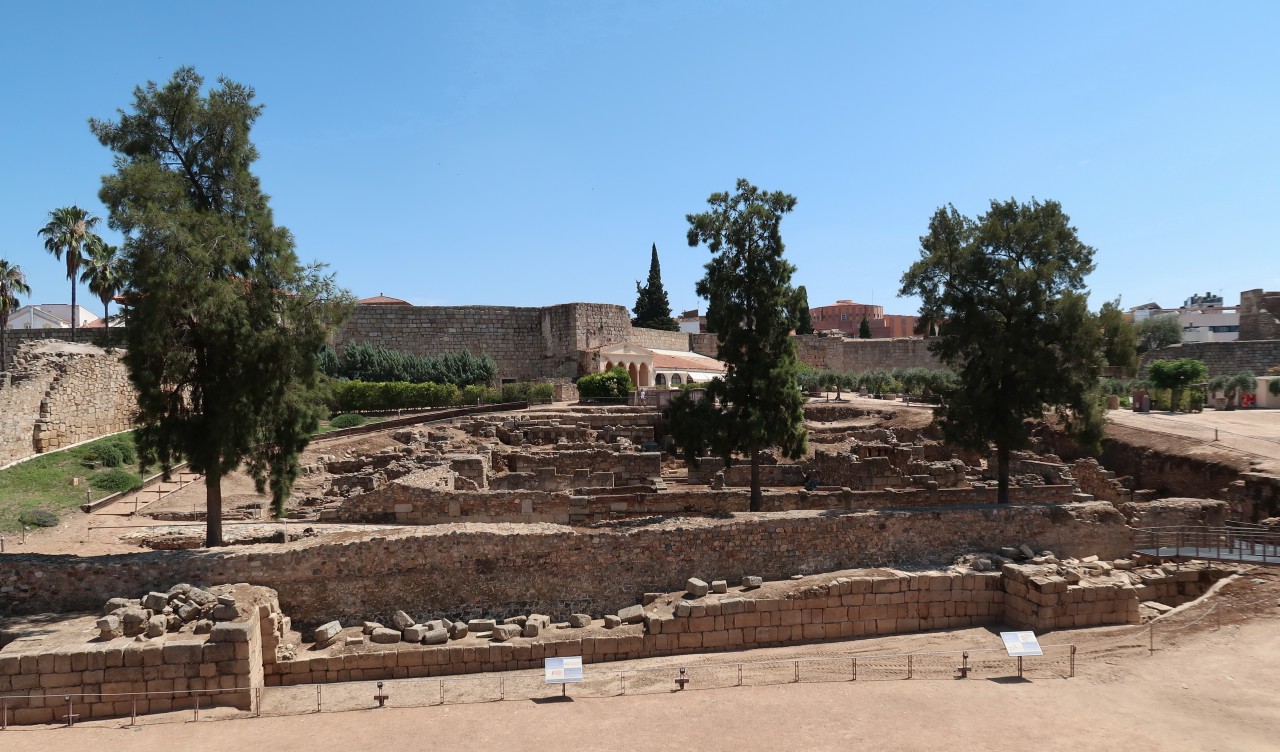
(653, 310)
(864, 329)
(800, 310)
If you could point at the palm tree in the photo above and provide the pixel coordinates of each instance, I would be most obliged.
(104, 273)
(70, 231)
(13, 282)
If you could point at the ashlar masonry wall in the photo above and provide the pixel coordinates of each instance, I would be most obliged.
(506, 569)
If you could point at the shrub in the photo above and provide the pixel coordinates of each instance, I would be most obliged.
(608, 385)
(371, 363)
(128, 452)
(528, 392)
(1274, 387)
(346, 420)
(107, 454)
(39, 518)
(479, 394)
(114, 480)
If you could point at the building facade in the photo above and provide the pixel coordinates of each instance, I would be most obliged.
(847, 316)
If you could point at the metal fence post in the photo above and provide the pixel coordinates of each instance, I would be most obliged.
(197, 715)
(259, 713)
(797, 664)
(1151, 639)
(739, 674)
(319, 697)
(622, 682)
(133, 717)
(4, 714)
(1073, 661)
(910, 666)
(502, 687)
(855, 670)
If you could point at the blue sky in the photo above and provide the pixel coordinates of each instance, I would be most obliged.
(528, 153)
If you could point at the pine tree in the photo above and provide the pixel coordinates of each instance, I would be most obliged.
(223, 322)
(653, 310)
(1007, 294)
(748, 286)
(864, 329)
(800, 310)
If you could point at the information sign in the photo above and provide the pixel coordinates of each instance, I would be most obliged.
(562, 670)
(1018, 644)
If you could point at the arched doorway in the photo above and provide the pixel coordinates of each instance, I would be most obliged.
(659, 379)
(675, 379)
(633, 373)
(644, 375)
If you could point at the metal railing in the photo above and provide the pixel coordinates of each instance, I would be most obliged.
(1059, 661)
(1238, 543)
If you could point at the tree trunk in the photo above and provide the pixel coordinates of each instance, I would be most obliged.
(212, 508)
(106, 325)
(757, 498)
(1002, 474)
(73, 308)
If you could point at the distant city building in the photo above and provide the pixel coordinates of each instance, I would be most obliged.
(847, 316)
(50, 316)
(1203, 318)
(691, 322)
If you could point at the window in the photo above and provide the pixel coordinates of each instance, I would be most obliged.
(843, 317)
(675, 379)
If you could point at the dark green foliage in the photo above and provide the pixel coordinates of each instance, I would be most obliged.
(1274, 387)
(527, 391)
(1176, 375)
(479, 394)
(225, 323)
(365, 362)
(1119, 338)
(107, 455)
(864, 329)
(391, 395)
(1008, 291)
(653, 310)
(1232, 384)
(346, 420)
(748, 285)
(39, 518)
(114, 480)
(614, 384)
(696, 424)
(800, 310)
(1156, 332)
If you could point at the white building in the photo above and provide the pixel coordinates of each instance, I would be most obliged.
(1203, 318)
(50, 316)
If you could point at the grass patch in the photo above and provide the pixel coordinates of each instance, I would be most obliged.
(44, 482)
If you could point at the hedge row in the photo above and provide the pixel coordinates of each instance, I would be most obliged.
(400, 395)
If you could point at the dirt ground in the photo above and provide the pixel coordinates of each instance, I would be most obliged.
(1244, 437)
(1207, 686)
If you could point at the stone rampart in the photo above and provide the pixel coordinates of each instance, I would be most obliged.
(1259, 315)
(507, 569)
(660, 340)
(627, 467)
(1221, 357)
(837, 354)
(55, 395)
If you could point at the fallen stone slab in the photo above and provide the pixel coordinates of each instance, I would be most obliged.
(612, 621)
(414, 633)
(631, 614)
(203, 626)
(719, 586)
(458, 630)
(578, 621)
(401, 621)
(696, 587)
(354, 640)
(481, 625)
(134, 621)
(226, 600)
(384, 636)
(225, 613)
(751, 582)
(651, 597)
(189, 611)
(368, 627)
(155, 601)
(517, 620)
(157, 626)
(109, 627)
(437, 636)
(118, 603)
(326, 632)
(504, 632)
(683, 608)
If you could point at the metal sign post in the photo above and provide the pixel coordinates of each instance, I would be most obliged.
(1020, 644)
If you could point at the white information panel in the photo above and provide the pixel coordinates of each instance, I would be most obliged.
(1018, 644)
(562, 670)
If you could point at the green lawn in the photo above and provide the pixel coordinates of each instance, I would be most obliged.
(45, 482)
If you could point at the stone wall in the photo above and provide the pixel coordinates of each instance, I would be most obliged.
(55, 395)
(1259, 315)
(1221, 357)
(864, 354)
(107, 677)
(526, 343)
(506, 569)
(627, 467)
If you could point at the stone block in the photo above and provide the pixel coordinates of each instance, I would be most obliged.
(155, 601)
(368, 627)
(401, 621)
(458, 630)
(325, 632)
(504, 632)
(414, 633)
(719, 586)
(650, 598)
(223, 612)
(751, 582)
(157, 626)
(482, 625)
(696, 587)
(384, 636)
(631, 614)
(109, 627)
(611, 621)
(438, 636)
(579, 621)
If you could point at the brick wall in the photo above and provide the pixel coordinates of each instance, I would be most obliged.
(456, 570)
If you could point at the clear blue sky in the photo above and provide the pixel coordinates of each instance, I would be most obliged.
(528, 153)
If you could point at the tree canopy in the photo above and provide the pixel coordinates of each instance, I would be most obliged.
(653, 310)
(224, 323)
(1155, 332)
(1119, 338)
(105, 274)
(13, 282)
(864, 329)
(800, 309)
(69, 233)
(1176, 375)
(757, 404)
(1007, 293)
